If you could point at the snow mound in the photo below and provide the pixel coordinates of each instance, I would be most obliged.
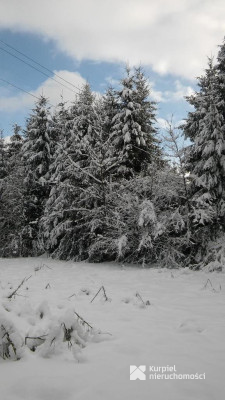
(47, 329)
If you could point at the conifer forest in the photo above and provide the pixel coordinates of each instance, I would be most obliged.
(97, 181)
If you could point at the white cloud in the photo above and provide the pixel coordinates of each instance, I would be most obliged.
(180, 91)
(110, 81)
(172, 36)
(156, 95)
(15, 103)
(49, 88)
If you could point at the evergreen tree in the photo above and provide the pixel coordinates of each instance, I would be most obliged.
(220, 69)
(14, 147)
(60, 126)
(37, 159)
(3, 161)
(16, 141)
(11, 220)
(146, 117)
(83, 122)
(206, 160)
(76, 215)
(60, 119)
(133, 126)
(110, 108)
(67, 180)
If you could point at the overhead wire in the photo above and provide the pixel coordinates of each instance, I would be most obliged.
(37, 69)
(23, 90)
(41, 65)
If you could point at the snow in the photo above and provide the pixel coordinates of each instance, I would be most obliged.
(152, 317)
(147, 215)
(121, 245)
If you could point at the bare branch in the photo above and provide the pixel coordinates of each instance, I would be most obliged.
(104, 293)
(14, 293)
(82, 320)
(34, 338)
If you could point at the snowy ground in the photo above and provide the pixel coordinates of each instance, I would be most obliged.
(184, 325)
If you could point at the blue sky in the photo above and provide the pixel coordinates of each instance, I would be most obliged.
(93, 40)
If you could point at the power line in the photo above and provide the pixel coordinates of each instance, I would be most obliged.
(25, 91)
(32, 66)
(36, 62)
(19, 88)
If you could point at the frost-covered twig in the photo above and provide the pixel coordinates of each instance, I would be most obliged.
(213, 289)
(48, 286)
(147, 303)
(36, 269)
(104, 293)
(106, 298)
(96, 294)
(72, 295)
(45, 265)
(35, 338)
(14, 293)
(140, 298)
(82, 320)
(104, 333)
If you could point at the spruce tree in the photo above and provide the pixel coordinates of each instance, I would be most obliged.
(37, 159)
(206, 156)
(83, 122)
(146, 117)
(3, 160)
(14, 146)
(133, 126)
(68, 181)
(11, 220)
(110, 108)
(76, 217)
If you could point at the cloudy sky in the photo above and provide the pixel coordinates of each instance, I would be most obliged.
(92, 40)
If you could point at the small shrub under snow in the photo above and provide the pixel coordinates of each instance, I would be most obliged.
(42, 332)
(11, 342)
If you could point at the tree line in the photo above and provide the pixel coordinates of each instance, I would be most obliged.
(93, 182)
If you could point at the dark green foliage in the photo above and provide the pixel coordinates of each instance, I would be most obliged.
(11, 199)
(3, 155)
(134, 132)
(37, 156)
(206, 156)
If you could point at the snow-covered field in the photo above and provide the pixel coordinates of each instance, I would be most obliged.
(184, 325)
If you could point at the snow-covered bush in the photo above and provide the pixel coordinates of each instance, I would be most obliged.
(214, 255)
(11, 342)
(152, 219)
(43, 332)
(66, 332)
